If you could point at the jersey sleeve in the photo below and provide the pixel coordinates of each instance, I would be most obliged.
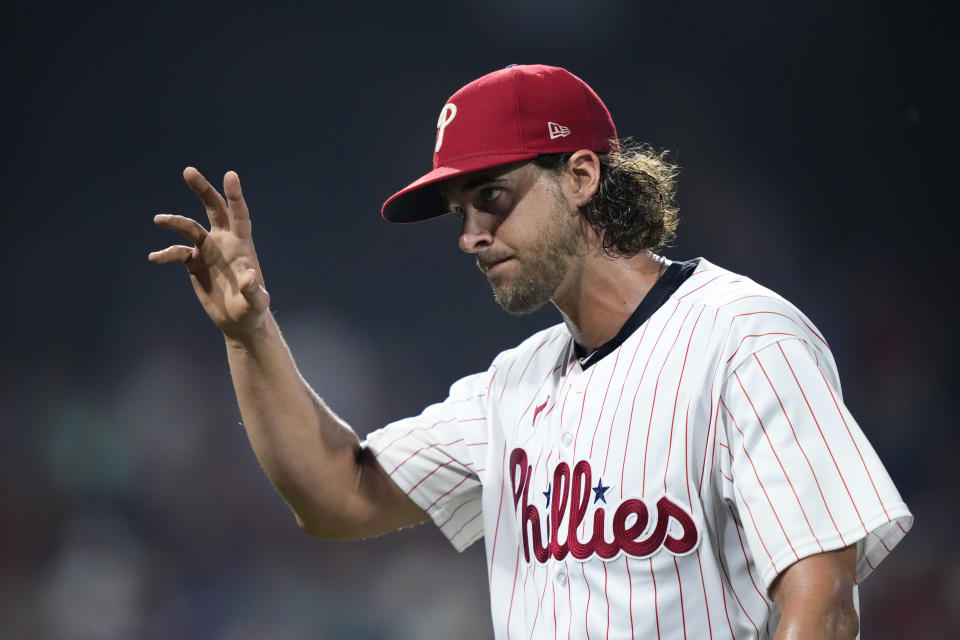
(804, 477)
(438, 457)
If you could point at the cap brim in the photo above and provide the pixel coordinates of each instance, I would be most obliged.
(422, 200)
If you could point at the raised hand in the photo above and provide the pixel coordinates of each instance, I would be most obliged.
(222, 262)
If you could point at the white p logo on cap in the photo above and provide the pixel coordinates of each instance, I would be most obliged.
(447, 114)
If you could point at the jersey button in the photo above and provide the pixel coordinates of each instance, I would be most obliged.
(562, 577)
(566, 438)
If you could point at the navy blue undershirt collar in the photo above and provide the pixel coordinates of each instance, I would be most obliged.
(665, 286)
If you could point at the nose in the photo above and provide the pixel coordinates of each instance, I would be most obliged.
(476, 231)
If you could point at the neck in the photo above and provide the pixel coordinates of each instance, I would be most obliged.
(603, 292)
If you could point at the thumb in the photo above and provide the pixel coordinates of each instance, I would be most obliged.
(255, 294)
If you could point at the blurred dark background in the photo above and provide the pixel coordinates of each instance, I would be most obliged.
(816, 143)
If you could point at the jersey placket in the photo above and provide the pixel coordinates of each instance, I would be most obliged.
(567, 573)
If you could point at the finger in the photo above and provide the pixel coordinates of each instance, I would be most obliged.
(212, 201)
(253, 291)
(236, 205)
(187, 227)
(176, 253)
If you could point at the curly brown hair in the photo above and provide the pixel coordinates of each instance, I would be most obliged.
(633, 208)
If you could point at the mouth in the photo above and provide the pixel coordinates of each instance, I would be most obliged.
(492, 267)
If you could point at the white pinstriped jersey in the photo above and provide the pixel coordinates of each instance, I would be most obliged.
(658, 491)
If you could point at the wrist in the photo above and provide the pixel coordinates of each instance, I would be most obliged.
(250, 339)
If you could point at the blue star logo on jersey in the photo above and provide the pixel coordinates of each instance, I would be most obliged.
(599, 492)
(546, 494)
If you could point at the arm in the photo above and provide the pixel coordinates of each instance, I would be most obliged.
(336, 488)
(815, 597)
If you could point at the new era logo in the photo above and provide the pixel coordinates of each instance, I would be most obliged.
(557, 130)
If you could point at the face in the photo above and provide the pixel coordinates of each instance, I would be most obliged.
(522, 231)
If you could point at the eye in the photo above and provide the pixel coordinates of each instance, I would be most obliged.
(488, 194)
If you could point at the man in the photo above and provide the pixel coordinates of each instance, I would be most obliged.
(673, 460)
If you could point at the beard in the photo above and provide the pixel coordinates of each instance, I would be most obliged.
(540, 269)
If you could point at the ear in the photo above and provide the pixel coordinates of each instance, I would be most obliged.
(582, 176)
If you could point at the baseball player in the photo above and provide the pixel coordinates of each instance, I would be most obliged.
(673, 460)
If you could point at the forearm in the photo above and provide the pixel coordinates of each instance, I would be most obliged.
(309, 454)
(818, 623)
(335, 487)
(815, 597)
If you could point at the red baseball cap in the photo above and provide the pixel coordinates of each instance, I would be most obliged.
(506, 116)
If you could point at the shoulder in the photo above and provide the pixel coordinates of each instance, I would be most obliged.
(546, 344)
(528, 363)
(754, 316)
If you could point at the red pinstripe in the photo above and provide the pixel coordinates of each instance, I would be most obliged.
(531, 566)
(799, 446)
(542, 344)
(506, 379)
(431, 446)
(760, 482)
(814, 332)
(566, 383)
(822, 436)
(452, 513)
(690, 293)
(586, 611)
(676, 398)
(882, 542)
(881, 539)
(503, 484)
(723, 589)
(706, 602)
(783, 315)
(583, 403)
(653, 402)
(716, 435)
(513, 590)
(747, 562)
(496, 371)
(683, 615)
(613, 417)
(760, 335)
(710, 424)
(757, 529)
(566, 568)
(553, 587)
(715, 412)
(607, 598)
(398, 438)
(534, 398)
(855, 446)
(526, 578)
(604, 403)
(700, 272)
(805, 323)
(775, 455)
(686, 458)
(451, 490)
(546, 579)
(438, 467)
(633, 403)
(464, 525)
(726, 575)
(656, 606)
(626, 561)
